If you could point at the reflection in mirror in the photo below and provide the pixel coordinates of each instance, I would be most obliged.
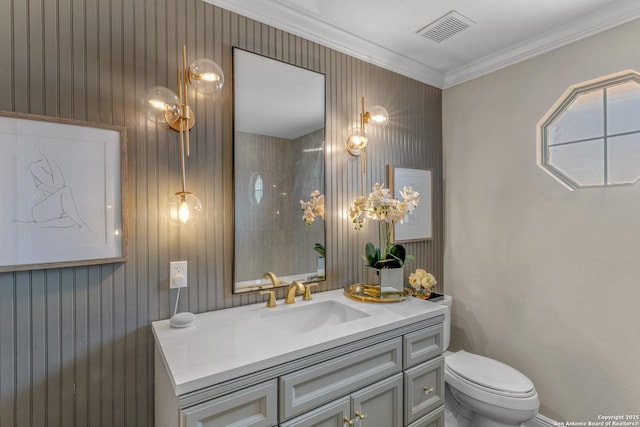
(278, 161)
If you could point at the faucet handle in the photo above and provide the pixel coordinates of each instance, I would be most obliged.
(272, 298)
(307, 291)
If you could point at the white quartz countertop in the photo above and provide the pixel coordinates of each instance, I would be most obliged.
(225, 344)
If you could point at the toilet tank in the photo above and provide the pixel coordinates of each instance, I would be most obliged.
(446, 301)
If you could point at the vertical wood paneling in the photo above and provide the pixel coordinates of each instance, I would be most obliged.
(8, 363)
(67, 347)
(75, 343)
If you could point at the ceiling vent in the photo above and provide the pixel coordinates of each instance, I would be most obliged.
(446, 26)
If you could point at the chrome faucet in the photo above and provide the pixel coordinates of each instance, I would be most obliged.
(295, 287)
(271, 276)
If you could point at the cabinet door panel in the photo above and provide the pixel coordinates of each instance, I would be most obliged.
(252, 407)
(434, 419)
(330, 415)
(379, 405)
(424, 389)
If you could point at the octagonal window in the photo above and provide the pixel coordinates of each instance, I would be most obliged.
(591, 136)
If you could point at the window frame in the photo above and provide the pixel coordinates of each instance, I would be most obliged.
(561, 106)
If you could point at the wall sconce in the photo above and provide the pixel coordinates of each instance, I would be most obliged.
(162, 105)
(377, 117)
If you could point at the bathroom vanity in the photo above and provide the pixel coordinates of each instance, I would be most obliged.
(330, 361)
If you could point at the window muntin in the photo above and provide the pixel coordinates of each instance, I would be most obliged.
(591, 137)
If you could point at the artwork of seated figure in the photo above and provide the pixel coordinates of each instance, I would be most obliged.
(55, 207)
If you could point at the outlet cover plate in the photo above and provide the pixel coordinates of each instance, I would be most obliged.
(177, 269)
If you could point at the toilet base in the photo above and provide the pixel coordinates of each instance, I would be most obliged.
(460, 415)
(454, 414)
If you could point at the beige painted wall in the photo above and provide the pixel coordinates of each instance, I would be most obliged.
(544, 279)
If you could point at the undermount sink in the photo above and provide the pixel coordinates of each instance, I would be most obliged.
(308, 317)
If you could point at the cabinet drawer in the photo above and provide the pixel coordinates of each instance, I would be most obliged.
(423, 389)
(329, 415)
(316, 385)
(252, 407)
(422, 345)
(434, 419)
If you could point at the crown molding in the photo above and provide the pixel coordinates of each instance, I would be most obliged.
(297, 23)
(294, 22)
(621, 13)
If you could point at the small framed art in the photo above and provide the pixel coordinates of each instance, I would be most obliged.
(419, 225)
(60, 192)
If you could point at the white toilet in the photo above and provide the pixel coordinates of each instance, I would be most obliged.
(482, 392)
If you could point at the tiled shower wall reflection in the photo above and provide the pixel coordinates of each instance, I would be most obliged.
(271, 176)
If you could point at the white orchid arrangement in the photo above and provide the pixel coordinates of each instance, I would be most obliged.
(381, 207)
(420, 280)
(312, 208)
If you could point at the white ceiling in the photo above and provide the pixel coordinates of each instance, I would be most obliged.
(385, 32)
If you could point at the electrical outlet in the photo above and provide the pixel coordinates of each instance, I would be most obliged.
(178, 274)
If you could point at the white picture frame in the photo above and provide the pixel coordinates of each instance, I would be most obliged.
(61, 187)
(419, 225)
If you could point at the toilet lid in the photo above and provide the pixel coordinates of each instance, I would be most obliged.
(488, 373)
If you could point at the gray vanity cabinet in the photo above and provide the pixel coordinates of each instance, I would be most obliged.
(330, 415)
(433, 419)
(251, 407)
(423, 376)
(394, 378)
(378, 405)
(308, 388)
(424, 389)
(422, 345)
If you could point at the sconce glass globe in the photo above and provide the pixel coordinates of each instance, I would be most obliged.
(357, 141)
(162, 105)
(184, 208)
(378, 117)
(206, 76)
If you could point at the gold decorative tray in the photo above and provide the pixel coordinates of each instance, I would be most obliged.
(372, 293)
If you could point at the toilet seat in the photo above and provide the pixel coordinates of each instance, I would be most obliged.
(490, 381)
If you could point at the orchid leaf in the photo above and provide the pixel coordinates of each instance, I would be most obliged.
(320, 249)
(372, 254)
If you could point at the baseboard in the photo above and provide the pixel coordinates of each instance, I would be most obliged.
(541, 421)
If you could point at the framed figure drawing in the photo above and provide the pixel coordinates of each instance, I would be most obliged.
(419, 225)
(60, 192)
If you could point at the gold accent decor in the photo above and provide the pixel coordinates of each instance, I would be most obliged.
(307, 291)
(295, 287)
(272, 298)
(181, 123)
(164, 106)
(371, 293)
(271, 276)
(356, 143)
(422, 295)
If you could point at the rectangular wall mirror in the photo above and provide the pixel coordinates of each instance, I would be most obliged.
(279, 121)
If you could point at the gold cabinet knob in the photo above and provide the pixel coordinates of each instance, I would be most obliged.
(360, 416)
(272, 298)
(428, 389)
(348, 422)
